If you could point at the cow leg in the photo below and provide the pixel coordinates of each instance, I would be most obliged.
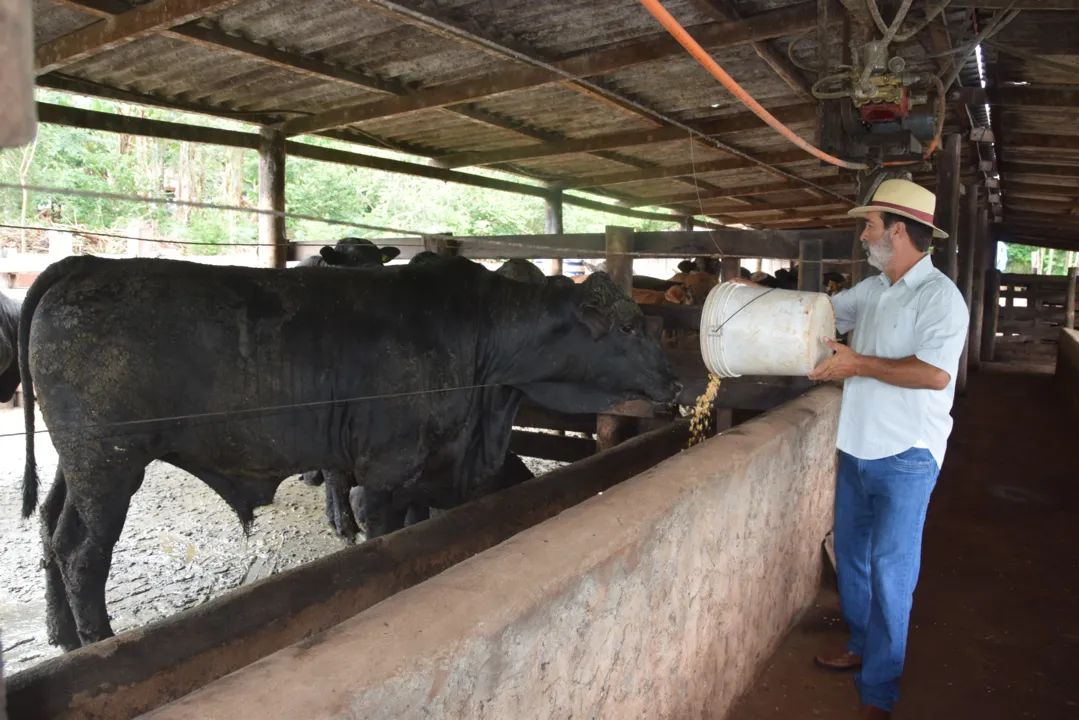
(338, 510)
(59, 621)
(383, 516)
(416, 513)
(90, 523)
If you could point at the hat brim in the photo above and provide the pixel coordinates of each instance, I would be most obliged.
(864, 210)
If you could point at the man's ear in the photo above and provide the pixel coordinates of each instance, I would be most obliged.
(591, 317)
(330, 255)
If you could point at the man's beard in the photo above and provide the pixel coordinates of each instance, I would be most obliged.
(881, 254)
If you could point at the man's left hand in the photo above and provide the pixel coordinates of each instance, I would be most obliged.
(842, 365)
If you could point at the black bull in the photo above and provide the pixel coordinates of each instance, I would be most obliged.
(244, 377)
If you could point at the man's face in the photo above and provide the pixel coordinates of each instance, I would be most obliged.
(877, 241)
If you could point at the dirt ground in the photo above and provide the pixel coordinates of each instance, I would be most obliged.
(180, 547)
(995, 625)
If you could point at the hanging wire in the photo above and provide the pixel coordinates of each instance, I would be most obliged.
(210, 206)
(999, 22)
(249, 413)
(162, 241)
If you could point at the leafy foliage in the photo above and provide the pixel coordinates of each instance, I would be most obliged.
(73, 158)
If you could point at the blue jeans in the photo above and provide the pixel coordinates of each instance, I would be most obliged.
(880, 508)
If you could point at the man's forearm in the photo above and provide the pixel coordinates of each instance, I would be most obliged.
(908, 372)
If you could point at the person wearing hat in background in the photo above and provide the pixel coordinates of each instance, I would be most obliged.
(898, 377)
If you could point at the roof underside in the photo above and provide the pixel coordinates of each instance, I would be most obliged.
(294, 61)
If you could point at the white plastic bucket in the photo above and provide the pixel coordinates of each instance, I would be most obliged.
(764, 331)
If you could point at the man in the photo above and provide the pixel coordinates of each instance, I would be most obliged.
(899, 373)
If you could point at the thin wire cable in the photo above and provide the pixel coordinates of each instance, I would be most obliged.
(163, 241)
(249, 413)
(424, 20)
(930, 15)
(672, 26)
(210, 206)
(999, 22)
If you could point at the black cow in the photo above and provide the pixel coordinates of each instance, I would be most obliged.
(9, 343)
(352, 252)
(346, 500)
(246, 376)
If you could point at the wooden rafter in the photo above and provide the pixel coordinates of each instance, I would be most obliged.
(1021, 97)
(127, 27)
(1040, 141)
(214, 38)
(775, 23)
(741, 191)
(1021, 167)
(720, 126)
(779, 157)
(780, 64)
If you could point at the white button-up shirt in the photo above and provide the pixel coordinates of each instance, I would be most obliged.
(924, 315)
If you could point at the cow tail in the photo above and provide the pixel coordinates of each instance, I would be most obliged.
(33, 296)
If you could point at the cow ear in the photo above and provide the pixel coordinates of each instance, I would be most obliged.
(592, 318)
(330, 255)
(389, 253)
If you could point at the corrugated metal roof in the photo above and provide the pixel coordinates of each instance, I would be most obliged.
(402, 56)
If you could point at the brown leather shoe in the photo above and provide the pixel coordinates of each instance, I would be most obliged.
(868, 712)
(839, 661)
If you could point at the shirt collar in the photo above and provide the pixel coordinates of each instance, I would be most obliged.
(915, 276)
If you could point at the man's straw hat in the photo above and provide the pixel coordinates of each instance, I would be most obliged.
(902, 197)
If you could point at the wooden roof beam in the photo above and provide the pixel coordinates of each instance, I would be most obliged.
(1017, 5)
(107, 34)
(1016, 185)
(779, 157)
(772, 24)
(717, 126)
(1020, 167)
(780, 64)
(1025, 97)
(215, 38)
(1040, 141)
(743, 190)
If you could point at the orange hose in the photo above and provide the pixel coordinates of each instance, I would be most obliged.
(660, 13)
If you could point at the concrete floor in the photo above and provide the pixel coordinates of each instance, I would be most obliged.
(995, 626)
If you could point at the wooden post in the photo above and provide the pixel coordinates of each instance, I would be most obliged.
(946, 216)
(272, 197)
(968, 239)
(977, 296)
(730, 268)
(992, 310)
(443, 244)
(612, 429)
(554, 224)
(686, 224)
(18, 111)
(1069, 300)
(810, 265)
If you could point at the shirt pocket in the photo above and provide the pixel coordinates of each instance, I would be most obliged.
(897, 338)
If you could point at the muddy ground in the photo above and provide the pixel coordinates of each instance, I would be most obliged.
(180, 547)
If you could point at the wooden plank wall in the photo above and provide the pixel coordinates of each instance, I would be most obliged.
(1031, 308)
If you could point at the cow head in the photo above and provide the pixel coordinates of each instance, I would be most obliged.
(603, 357)
(357, 253)
(426, 257)
(9, 343)
(521, 270)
